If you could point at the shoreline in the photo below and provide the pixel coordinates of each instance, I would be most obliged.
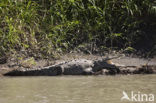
(133, 65)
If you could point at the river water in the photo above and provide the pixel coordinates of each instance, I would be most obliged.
(75, 89)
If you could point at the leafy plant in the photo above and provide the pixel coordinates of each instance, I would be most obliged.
(49, 26)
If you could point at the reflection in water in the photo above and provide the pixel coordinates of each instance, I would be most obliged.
(73, 89)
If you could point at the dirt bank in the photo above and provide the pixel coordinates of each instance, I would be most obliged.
(131, 65)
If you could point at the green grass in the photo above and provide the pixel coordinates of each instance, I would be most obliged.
(48, 27)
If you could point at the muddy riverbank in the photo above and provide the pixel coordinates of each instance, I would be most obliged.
(125, 64)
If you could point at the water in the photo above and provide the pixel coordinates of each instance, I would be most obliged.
(74, 89)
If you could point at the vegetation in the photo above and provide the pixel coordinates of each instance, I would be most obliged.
(46, 27)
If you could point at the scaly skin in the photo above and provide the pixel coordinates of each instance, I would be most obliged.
(84, 67)
(73, 67)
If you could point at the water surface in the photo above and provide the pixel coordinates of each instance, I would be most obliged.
(74, 89)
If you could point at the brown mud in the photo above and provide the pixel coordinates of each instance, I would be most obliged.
(128, 64)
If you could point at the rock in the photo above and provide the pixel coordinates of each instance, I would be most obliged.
(143, 69)
(146, 69)
(128, 70)
(102, 72)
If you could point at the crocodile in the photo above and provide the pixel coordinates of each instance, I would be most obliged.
(84, 67)
(73, 67)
